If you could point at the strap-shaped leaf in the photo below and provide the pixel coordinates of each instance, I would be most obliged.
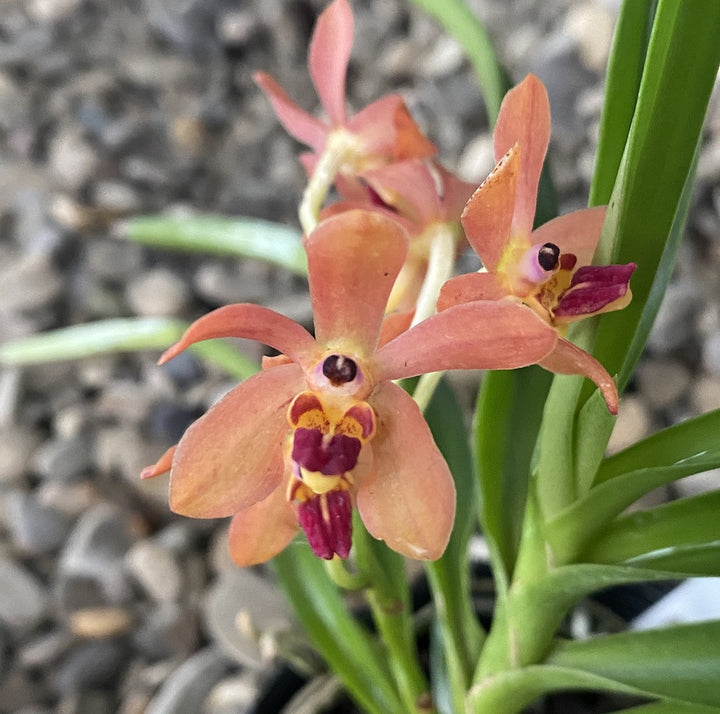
(680, 69)
(572, 529)
(685, 522)
(699, 559)
(678, 662)
(242, 237)
(130, 334)
(666, 447)
(356, 659)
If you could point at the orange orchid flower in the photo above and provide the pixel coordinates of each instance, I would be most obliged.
(382, 132)
(323, 428)
(545, 272)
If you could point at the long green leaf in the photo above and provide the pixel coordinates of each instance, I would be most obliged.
(680, 662)
(507, 419)
(449, 576)
(622, 82)
(672, 707)
(687, 521)
(572, 529)
(666, 447)
(680, 70)
(131, 334)
(687, 560)
(242, 237)
(340, 639)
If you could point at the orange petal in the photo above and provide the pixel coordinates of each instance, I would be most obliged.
(408, 500)
(353, 260)
(329, 54)
(161, 466)
(297, 122)
(387, 129)
(264, 529)
(486, 334)
(253, 322)
(395, 324)
(488, 215)
(577, 233)
(232, 457)
(471, 287)
(524, 119)
(568, 358)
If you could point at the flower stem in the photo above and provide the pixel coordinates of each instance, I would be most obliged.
(440, 266)
(338, 149)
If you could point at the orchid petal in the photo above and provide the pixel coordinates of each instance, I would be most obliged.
(386, 128)
(455, 193)
(297, 122)
(471, 287)
(568, 358)
(353, 260)
(395, 324)
(161, 466)
(252, 322)
(488, 215)
(577, 232)
(524, 119)
(329, 55)
(486, 334)
(595, 289)
(232, 457)
(408, 500)
(410, 187)
(263, 530)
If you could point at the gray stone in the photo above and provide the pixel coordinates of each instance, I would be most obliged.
(186, 689)
(233, 695)
(17, 444)
(168, 631)
(71, 158)
(633, 423)
(706, 394)
(62, 459)
(239, 609)
(711, 354)
(23, 601)
(89, 665)
(92, 560)
(34, 528)
(157, 293)
(45, 649)
(115, 260)
(155, 569)
(662, 384)
(674, 323)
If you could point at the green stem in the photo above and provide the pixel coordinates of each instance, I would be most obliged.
(389, 600)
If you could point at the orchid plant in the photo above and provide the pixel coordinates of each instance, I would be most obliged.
(337, 467)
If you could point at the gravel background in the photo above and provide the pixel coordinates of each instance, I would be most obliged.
(111, 108)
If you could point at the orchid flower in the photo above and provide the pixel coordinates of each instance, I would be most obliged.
(323, 427)
(428, 200)
(547, 271)
(383, 132)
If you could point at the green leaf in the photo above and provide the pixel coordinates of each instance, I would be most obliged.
(356, 659)
(653, 183)
(593, 428)
(668, 706)
(685, 522)
(666, 447)
(449, 576)
(254, 238)
(570, 532)
(700, 559)
(507, 419)
(622, 82)
(512, 690)
(131, 334)
(679, 662)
